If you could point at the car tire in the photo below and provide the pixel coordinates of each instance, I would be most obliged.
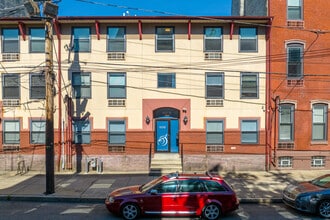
(130, 211)
(211, 211)
(324, 208)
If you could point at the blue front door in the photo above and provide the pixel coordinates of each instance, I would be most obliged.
(167, 135)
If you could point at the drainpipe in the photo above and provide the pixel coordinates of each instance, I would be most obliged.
(59, 85)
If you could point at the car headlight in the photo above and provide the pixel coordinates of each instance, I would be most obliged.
(111, 199)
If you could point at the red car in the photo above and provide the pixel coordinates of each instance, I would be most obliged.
(175, 195)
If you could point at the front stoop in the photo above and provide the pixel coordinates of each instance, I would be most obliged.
(164, 163)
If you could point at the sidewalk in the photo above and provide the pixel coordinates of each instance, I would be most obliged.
(251, 187)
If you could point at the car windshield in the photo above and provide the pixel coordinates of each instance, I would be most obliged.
(323, 181)
(149, 185)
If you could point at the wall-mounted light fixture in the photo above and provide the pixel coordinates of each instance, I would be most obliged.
(185, 120)
(147, 120)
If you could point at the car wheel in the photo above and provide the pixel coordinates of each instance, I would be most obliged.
(130, 211)
(211, 211)
(324, 209)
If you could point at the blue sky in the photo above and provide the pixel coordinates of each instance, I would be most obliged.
(144, 7)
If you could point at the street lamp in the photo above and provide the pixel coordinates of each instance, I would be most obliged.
(50, 10)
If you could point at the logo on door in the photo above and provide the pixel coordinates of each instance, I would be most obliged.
(162, 140)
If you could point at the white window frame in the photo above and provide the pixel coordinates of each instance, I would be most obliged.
(285, 162)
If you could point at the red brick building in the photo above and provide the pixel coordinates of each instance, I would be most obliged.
(298, 85)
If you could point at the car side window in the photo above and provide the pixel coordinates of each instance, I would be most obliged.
(212, 186)
(191, 186)
(166, 187)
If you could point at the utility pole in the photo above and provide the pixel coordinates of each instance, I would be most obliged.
(49, 79)
(50, 11)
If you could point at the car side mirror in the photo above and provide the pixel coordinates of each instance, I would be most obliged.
(153, 192)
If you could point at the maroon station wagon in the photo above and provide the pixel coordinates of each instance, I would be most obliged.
(205, 195)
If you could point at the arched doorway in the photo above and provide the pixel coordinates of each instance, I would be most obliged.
(166, 130)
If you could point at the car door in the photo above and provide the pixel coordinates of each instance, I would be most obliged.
(190, 198)
(161, 198)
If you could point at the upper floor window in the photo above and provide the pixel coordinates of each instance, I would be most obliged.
(11, 132)
(82, 131)
(295, 53)
(294, 9)
(37, 40)
(214, 85)
(116, 85)
(320, 125)
(249, 131)
(116, 39)
(81, 39)
(10, 86)
(164, 39)
(166, 80)
(286, 122)
(10, 40)
(248, 40)
(212, 39)
(38, 132)
(81, 83)
(249, 85)
(117, 132)
(214, 132)
(37, 86)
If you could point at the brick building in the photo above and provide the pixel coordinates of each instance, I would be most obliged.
(133, 92)
(299, 84)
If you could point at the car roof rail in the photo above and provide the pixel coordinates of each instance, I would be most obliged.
(209, 174)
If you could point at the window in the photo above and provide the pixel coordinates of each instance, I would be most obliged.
(10, 40)
(167, 187)
(81, 39)
(318, 161)
(294, 10)
(285, 161)
(164, 39)
(295, 60)
(320, 112)
(116, 39)
(249, 131)
(37, 86)
(37, 40)
(212, 39)
(116, 85)
(214, 85)
(249, 85)
(11, 129)
(166, 80)
(11, 86)
(117, 132)
(286, 122)
(82, 131)
(191, 185)
(212, 186)
(248, 39)
(81, 83)
(38, 132)
(214, 132)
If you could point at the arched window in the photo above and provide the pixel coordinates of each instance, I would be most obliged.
(295, 53)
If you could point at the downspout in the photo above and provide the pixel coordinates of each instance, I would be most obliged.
(59, 86)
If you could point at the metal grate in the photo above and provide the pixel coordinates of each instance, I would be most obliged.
(285, 146)
(214, 102)
(295, 82)
(295, 24)
(11, 102)
(116, 56)
(10, 148)
(214, 148)
(213, 56)
(116, 148)
(9, 57)
(116, 102)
